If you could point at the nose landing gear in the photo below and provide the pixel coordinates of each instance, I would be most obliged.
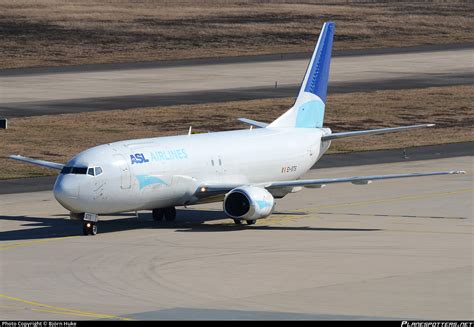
(90, 228)
(90, 222)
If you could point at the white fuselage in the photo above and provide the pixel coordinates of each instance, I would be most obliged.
(167, 171)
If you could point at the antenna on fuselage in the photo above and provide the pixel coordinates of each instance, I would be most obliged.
(190, 130)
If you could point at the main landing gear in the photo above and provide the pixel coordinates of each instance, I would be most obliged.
(249, 222)
(169, 214)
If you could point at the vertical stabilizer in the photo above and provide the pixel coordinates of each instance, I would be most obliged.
(308, 110)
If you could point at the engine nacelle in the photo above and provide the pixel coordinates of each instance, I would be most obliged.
(248, 203)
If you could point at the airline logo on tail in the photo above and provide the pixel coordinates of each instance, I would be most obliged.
(308, 110)
(312, 97)
(317, 75)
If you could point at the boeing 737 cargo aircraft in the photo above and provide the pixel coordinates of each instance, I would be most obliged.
(246, 169)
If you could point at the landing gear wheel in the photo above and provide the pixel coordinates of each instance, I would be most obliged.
(94, 229)
(158, 214)
(251, 222)
(170, 214)
(90, 228)
(238, 221)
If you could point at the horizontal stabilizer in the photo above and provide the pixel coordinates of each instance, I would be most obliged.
(42, 163)
(372, 131)
(251, 122)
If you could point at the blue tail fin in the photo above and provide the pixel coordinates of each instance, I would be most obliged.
(308, 110)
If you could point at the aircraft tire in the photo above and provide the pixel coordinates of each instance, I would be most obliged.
(94, 229)
(158, 214)
(170, 213)
(251, 222)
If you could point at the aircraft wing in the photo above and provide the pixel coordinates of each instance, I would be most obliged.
(215, 189)
(207, 190)
(254, 123)
(357, 180)
(372, 131)
(43, 163)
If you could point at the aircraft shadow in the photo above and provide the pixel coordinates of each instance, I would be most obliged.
(187, 221)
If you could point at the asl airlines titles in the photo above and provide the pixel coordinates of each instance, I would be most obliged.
(166, 155)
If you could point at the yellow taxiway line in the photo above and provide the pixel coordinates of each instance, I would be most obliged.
(393, 199)
(63, 311)
(17, 244)
(289, 216)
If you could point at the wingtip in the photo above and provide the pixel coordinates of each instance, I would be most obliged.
(430, 125)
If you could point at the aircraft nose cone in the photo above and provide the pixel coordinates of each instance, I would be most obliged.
(66, 192)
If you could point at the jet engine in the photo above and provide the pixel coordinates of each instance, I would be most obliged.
(248, 203)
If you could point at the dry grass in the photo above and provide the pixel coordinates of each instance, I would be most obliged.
(58, 137)
(60, 32)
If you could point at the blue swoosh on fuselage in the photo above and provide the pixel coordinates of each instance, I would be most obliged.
(147, 180)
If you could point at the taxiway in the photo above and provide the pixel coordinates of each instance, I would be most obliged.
(102, 87)
(399, 249)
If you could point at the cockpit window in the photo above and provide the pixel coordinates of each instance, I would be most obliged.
(74, 170)
(92, 171)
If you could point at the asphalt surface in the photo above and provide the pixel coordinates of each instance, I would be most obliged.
(452, 150)
(26, 109)
(398, 249)
(123, 86)
(227, 60)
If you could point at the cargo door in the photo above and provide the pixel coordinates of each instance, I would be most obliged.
(124, 171)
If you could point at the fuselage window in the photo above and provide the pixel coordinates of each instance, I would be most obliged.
(220, 162)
